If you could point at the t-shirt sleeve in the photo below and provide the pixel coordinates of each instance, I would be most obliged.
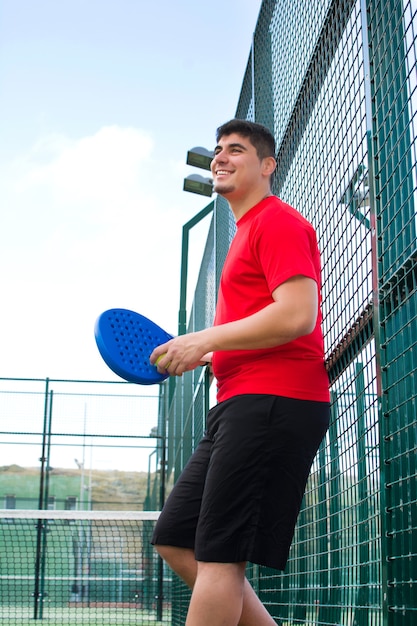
(285, 247)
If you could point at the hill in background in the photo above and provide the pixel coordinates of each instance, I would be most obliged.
(104, 489)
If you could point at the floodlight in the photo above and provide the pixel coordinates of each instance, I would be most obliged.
(200, 157)
(198, 184)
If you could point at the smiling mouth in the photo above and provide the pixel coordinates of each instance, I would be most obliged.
(222, 173)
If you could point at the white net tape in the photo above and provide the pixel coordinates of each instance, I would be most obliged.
(79, 515)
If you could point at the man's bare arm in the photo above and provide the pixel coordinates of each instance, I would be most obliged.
(293, 314)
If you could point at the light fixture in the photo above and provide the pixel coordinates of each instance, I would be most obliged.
(198, 184)
(200, 157)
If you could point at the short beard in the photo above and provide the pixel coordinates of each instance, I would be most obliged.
(224, 189)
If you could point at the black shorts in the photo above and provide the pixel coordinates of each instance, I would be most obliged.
(239, 496)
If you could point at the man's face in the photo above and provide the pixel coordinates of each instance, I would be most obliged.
(236, 167)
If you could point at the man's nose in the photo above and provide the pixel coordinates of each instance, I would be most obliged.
(220, 157)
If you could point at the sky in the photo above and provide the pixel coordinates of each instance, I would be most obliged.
(100, 101)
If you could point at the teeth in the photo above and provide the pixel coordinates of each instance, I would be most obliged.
(221, 172)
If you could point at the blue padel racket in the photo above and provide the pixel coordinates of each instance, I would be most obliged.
(125, 340)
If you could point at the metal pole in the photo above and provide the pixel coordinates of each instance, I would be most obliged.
(182, 315)
(42, 594)
(160, 575)
(40, 524)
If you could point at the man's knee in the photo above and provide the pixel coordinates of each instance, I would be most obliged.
(169, 553)
(181, 560)
(161, 550)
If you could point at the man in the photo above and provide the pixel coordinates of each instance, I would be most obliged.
(239, 496)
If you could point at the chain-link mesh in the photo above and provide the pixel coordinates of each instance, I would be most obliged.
(336, 82)
(392, 49)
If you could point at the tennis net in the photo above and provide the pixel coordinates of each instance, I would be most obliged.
(81, 567)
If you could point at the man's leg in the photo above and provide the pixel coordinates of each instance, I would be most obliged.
(217, 597)
(182, 561)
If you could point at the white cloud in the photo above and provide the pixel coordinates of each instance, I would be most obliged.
(101, 168)
(90, 225)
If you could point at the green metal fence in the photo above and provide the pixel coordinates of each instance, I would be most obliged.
(336, 81)
(83, 445)
(78, 460)
(81, 567)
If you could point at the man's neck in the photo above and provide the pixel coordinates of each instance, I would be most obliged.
(240, 207)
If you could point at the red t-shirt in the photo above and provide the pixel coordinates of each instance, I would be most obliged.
(273, 243)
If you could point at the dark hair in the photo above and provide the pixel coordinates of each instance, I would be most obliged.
(260, 136)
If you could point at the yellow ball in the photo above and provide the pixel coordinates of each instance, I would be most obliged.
(161, 356)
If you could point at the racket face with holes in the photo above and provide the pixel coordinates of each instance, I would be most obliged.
(125, 340)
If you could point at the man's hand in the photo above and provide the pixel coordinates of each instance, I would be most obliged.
(181, 354)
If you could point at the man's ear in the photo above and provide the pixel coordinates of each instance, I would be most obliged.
(268, 166)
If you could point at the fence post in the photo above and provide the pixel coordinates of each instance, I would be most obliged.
(397, 267)
(42, 524)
